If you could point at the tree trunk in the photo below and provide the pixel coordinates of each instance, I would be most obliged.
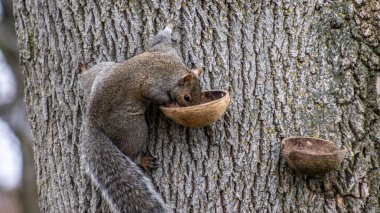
(292, 68)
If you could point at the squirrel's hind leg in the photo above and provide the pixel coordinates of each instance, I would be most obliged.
(128, 132)
(131, 137)
(133, 141)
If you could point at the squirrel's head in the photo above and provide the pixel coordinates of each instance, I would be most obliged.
(188, 90)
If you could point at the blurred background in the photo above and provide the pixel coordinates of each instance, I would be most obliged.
(18, 190)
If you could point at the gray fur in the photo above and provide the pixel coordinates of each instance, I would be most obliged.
(88, 77)
(115, 133)
(162, 42)
(121, 182)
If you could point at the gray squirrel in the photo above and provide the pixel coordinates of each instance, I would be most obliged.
(115, 133)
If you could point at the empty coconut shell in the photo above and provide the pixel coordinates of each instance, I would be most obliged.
(213, 105)
(311, 156)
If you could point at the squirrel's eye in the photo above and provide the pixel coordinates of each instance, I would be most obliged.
(187, 98)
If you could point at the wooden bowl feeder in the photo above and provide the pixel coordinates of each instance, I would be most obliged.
(311, 156)
(213, 105)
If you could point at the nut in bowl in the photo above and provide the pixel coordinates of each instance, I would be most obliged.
(213, 105)
(311, 156)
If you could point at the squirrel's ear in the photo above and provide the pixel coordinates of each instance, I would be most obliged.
(82, 67)
(197, 71)
(186, 80)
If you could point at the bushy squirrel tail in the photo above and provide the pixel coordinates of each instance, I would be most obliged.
(120, 181)
(163, 41)
(164, 36)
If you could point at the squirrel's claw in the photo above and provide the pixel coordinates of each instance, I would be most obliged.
(148, 162)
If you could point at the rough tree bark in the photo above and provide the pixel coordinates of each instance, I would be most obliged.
(292, 67)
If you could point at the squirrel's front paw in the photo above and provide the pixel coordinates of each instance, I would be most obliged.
(148, 162)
